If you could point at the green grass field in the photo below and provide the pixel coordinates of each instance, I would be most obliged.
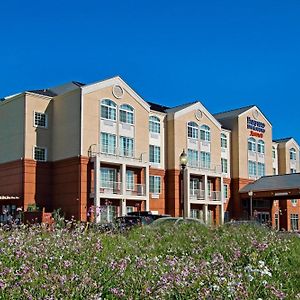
(183, 262)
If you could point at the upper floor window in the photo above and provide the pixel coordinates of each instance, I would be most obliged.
(205, 133)
(129, 180)
(252, 168)
(40, 119)
(40, 153)
(251, 144)
(155, 184)
(261, 146)
(192, 130)
(224, 143)
(261, 169)
(224, 165)
(273, 152)
(193, 157)
(126, 114)
(108, 143)
(108, 109)
(154, 124)
(292, 154)
(205, 159)
(126, 146)
(154, 154)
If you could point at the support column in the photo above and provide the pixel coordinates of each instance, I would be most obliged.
(97, 181)
(186, 193)
(147, 179)
(222, 202)
(123, 190)
(205, 206)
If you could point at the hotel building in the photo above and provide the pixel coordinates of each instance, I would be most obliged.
(79, 147)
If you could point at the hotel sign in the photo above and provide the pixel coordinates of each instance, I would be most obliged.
(256, 128)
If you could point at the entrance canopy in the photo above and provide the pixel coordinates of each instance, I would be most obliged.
(273, 187)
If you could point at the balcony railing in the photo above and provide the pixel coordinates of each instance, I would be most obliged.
(136, 190)
(197, 194)
(111, 187)
(206, 166)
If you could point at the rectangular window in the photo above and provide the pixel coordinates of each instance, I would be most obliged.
(261, 170)
(126, 146)
(294, 222)
(108, 143)
(129, 180)
(130, 209)
(276, 217)
(225, 190)
(108, 178)
(154, 154)
(40, 119)
(193, 157)
(223, 141)
(224, 164)
(40, 154)
(252, 168)
(205, 159)
(108, 213)
(155, 184)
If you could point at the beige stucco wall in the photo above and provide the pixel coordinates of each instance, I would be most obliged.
(284, 161)
(37, 136)
(177, 138)
(244, 134)
(12, 129)
(66, 125)
(91, 120)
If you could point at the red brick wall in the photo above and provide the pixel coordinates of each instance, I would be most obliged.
(159, 204)
(173, 192)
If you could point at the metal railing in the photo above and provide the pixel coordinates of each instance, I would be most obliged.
(207, 166)
(215, 196)
(136, 190)
(111, 187)
(197, 194)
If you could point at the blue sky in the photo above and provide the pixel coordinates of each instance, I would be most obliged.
(227, 54)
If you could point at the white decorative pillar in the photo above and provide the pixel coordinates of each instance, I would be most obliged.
(222, 201)
(123, 180)
(97, 181)
(123, 207)
(147, 193)
(186, 193)
(205, 206)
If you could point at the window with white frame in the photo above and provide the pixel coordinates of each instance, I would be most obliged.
(40, 119)
(224, 143)
(225, 190)
(154, 154)
(294, 222)
(193, 157)
(292, 154)
(108, 213)
(129, 209)
(193, 131)
(251, 144)
(108, 109)
(155, 184)
(261, 146)
(224, 165)
(108, 178)
(205, 159)
(273, 152)
(261, 169)
(126, 114)
(205, 133)
(129, 180)
(108, 143)
(251, 168)
(154, 124)
(126, 146)
(40, 153)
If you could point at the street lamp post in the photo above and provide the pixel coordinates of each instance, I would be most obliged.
(183, 163)
(250, 194)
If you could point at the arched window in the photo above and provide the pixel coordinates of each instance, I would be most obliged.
(126, 114)
(205, 133)
(251, 144)
(292, 154)
(223, 140)
(154, 124)
(108, 109)
(193, 130)
(261, 146)
(273, 152)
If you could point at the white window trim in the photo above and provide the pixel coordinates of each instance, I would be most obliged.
(46, 153)
(46, 119)
(127, 111)
(116, 108)
(160, 186)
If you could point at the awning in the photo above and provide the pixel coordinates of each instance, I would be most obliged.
(276, 187)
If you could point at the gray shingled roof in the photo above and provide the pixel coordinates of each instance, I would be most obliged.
(283, 140)
(275, 182)
(232, 113)
(157, 107)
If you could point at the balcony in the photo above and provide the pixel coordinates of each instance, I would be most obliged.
(111, 187)
(136, 190)
(199, 195)
(204, 166)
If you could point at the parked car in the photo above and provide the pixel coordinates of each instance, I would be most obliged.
(175, 221)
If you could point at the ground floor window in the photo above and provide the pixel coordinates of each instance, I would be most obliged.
(108, 213)
(294, 202)
(196, 214)
(294, 222)
(276, 219)
(225, 189)
(263, 217)
(130, 209)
